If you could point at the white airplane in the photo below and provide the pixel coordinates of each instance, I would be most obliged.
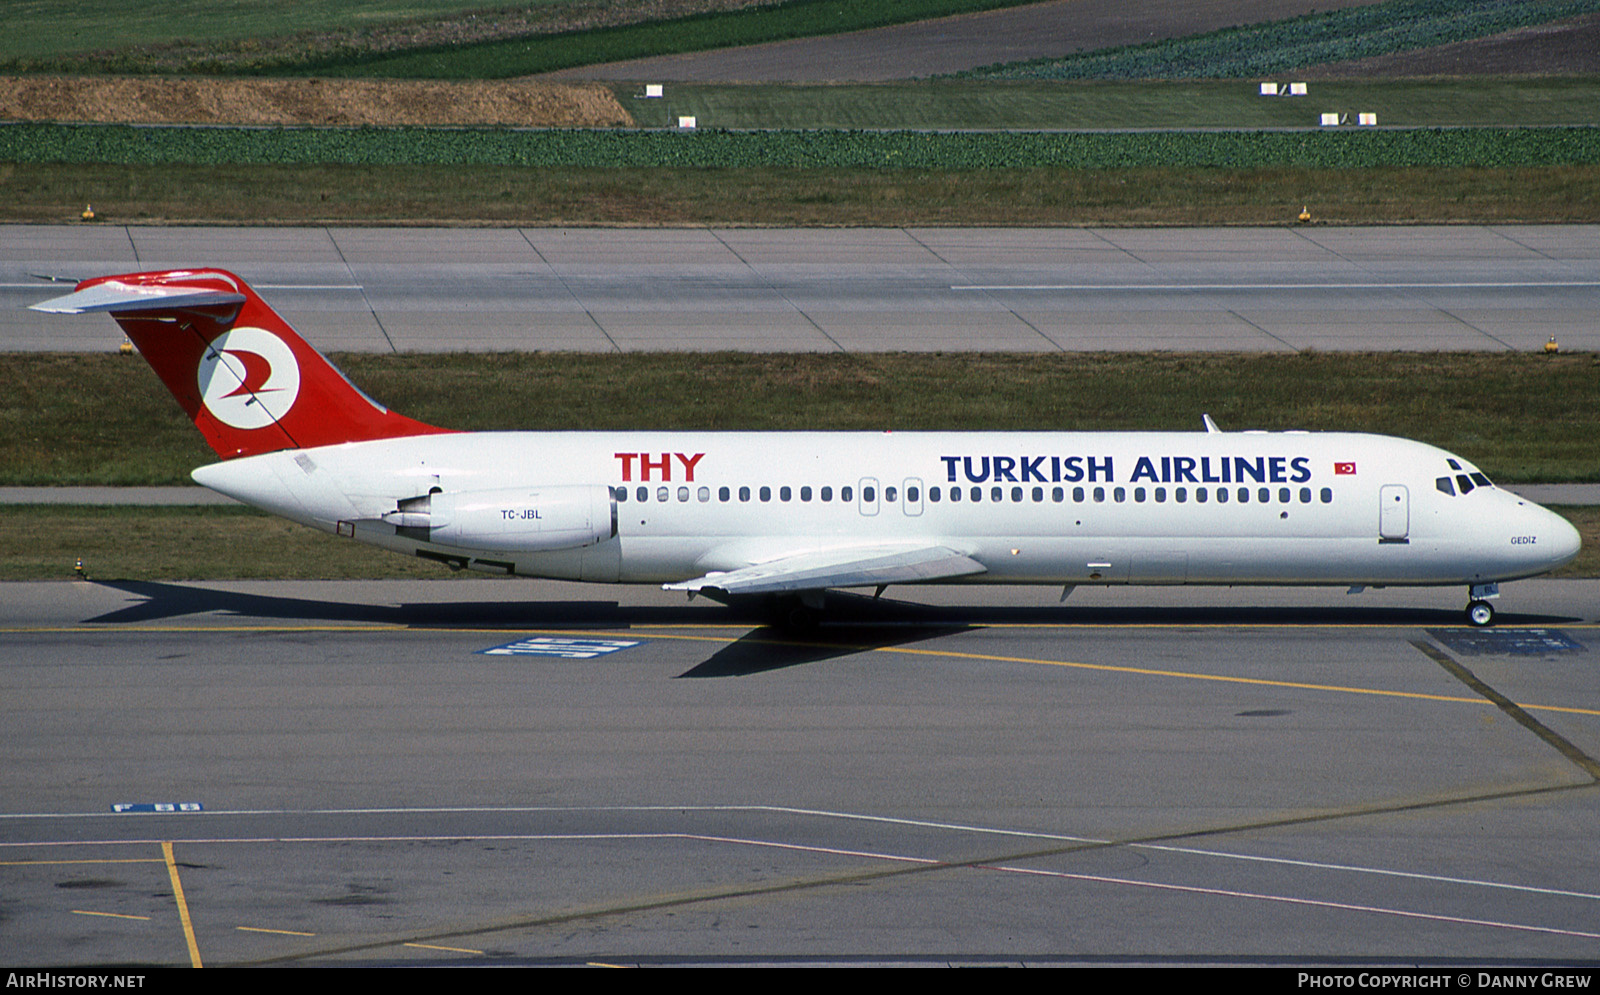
(790, 515)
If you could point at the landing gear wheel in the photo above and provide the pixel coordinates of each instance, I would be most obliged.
(800, 619)
(1480, 614)
(796, 614)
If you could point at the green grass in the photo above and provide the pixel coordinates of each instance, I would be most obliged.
(37, 29)
(105, 419)
(1260, 50)
(700, 32)
(1034, 106)
(392, 38)
(507, 195)
(1332, 148)
(44, 542)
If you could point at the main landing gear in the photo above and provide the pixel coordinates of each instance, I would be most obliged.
(1480, 612)
(797, 613)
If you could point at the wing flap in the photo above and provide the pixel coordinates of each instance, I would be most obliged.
(847, 567)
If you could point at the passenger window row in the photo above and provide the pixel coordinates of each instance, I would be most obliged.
(1016, 495)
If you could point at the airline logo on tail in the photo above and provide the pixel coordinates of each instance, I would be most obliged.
(235, 366)
(248, 378)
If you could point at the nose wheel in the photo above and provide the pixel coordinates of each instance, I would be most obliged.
(1480, 612)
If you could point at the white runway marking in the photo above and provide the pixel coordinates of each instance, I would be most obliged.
(754, 809)
(897, 858)
(1276, 286)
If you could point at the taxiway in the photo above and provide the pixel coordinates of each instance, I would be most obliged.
(962, 776)
(1483, 288)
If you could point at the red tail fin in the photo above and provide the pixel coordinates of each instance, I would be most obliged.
(249, 382)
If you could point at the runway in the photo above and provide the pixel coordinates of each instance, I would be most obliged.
(948, 776)
(1483, 288)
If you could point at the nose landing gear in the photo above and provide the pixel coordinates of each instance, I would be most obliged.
(1479, 612)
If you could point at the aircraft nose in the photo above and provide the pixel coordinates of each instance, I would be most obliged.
(1542, 539)
(1564, 539)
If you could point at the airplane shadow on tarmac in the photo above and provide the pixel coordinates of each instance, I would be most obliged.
(158, 600)
(852, 622)
(764, 648)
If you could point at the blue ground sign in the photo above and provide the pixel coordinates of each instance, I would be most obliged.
(570, 649)
(1507, 642)
(158, 807)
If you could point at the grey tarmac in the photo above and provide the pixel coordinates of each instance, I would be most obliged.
(1444, 288)
(946, 776)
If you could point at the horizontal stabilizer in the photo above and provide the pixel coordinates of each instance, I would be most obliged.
(848, 567)
(116, 296)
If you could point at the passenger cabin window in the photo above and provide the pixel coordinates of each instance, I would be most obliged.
(805, 493)
(784, 493)
(643, 494)
(744, 493)
(890, 494)
(662, 494)
(723, 494)
(846, 494)
(869, 494)
(766, 494)
(620, 493)
(827, 494)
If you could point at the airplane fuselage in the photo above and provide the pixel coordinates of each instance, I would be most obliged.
(1056, 508)
(792, 514)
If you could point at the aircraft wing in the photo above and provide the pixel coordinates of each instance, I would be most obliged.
(856, 566)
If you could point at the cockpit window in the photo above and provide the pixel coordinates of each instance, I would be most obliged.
(1481, 480)
(1453, 464)
(1445, 486)
(1463, 482)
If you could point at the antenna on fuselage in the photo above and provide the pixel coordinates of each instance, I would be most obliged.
(1211, 426)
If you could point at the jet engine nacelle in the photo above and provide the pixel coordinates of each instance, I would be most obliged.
(511, 519)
